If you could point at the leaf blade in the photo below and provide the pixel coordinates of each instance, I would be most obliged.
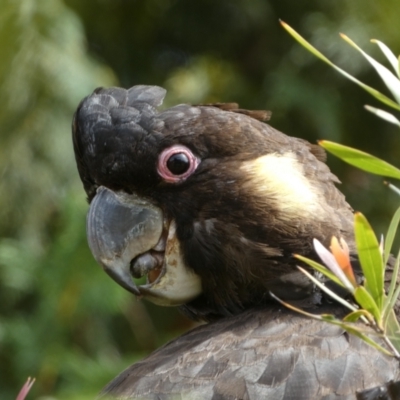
(356, 315)
(390, 80)
(390, 234)
(383, 114)
(355, 330)
(328, 291)
(320, 268)
(360, 159)
(370, 259)
(392, 329)
(367, 302)
(373, 92)
(389, 55)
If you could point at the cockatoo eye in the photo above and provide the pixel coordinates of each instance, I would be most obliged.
(176, 164)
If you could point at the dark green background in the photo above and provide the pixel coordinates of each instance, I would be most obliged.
(62, 319)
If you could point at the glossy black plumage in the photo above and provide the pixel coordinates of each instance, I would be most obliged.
(257, 197)
(259, 354)
(230, 230)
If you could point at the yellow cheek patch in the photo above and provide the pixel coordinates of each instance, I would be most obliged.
(280, 178)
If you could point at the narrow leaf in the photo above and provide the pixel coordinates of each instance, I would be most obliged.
(368, 340)
(392, 329)
(366, 301)
(320, 268)
(393, 283)
(370, 258)
(310, 47)
(375, 93)
(390, 80)
(356, 315)
(361, 160)
(389, 55)
(393, 299)
(384, 115)
(328, 317)
(355, 330)
(398, 65)
(394, 188)
(294, 308)
(390, 235)
(328, 291)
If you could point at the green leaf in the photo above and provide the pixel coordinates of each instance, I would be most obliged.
(392, 329)
(391, 300)
(391, 233)
(356, 315)
(367, 339)
(320, 268)
(375, 93)
(398, 65)
(383, 114)
(327, 291)
(390, 80)
(391, 296)
(389, 55)
(361, 160)
(392, 187)
(294, 308)
(367, 302)
(370, 259)
(356, 331)
(329, 317)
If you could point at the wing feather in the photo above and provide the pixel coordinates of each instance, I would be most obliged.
(260, 354)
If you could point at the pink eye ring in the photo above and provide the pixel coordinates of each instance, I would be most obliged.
(176, 164)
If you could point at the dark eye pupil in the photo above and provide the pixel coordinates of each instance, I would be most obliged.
(178, 163)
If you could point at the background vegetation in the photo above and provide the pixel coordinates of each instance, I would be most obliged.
(62, 319)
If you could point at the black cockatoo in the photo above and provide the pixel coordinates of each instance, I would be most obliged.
(210, 204)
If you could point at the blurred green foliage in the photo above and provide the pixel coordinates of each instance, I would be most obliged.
(62, 319)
